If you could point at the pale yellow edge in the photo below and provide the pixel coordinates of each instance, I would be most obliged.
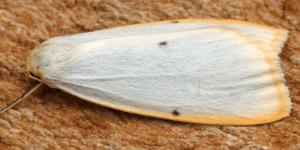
(226, 21)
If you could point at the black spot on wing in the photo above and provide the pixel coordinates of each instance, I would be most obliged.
(175, 112)
(175, 22)
(163, 43)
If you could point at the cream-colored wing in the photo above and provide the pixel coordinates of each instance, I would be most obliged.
(269, 37)
(210, 75)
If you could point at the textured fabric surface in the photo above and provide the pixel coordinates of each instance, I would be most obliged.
(53, 119)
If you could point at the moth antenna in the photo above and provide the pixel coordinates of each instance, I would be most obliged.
(35, 78)
(27, 93)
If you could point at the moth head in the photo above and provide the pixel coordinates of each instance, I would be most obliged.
(45, 60)
(33, 65)
(39, 60)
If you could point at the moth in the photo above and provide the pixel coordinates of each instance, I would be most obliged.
(224, 72)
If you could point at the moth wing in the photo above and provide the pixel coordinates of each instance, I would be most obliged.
(211, 76)
(271, 38)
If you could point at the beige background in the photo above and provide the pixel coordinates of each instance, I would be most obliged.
(52, 119)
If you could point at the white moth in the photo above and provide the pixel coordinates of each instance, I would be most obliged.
(202, 71)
